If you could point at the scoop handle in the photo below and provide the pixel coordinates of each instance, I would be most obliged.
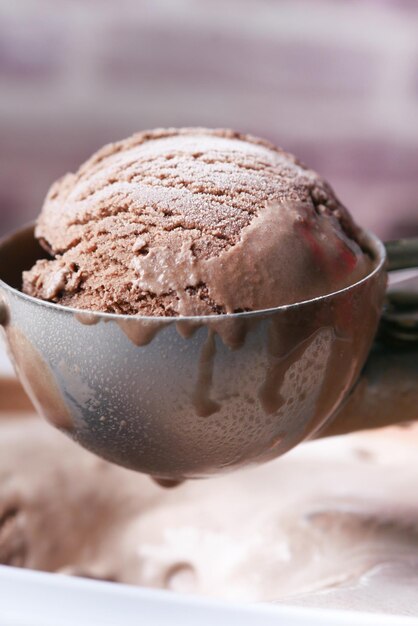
(387, 390)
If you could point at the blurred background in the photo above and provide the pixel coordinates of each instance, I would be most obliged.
(334, 82)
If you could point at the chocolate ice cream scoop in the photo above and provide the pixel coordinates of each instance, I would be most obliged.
(207, 303)
(193, 222)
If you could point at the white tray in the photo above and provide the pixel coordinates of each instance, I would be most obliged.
(35, 599)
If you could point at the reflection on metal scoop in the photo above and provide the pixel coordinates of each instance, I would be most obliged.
(180, 398)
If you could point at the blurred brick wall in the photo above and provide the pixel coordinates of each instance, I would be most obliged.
(336, 82)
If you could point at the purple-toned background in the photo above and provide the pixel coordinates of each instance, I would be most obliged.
(335, 82)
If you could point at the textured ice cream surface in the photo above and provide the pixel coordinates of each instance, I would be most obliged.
(193, 222)
(334, 523)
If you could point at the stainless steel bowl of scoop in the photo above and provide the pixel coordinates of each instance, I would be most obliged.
(190, 397)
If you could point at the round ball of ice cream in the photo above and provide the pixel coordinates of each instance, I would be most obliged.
(193, 222)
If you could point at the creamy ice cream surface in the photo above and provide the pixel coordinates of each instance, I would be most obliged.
(193, 222)
(334, 523)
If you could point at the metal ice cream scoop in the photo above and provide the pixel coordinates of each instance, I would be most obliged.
(189, 397)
